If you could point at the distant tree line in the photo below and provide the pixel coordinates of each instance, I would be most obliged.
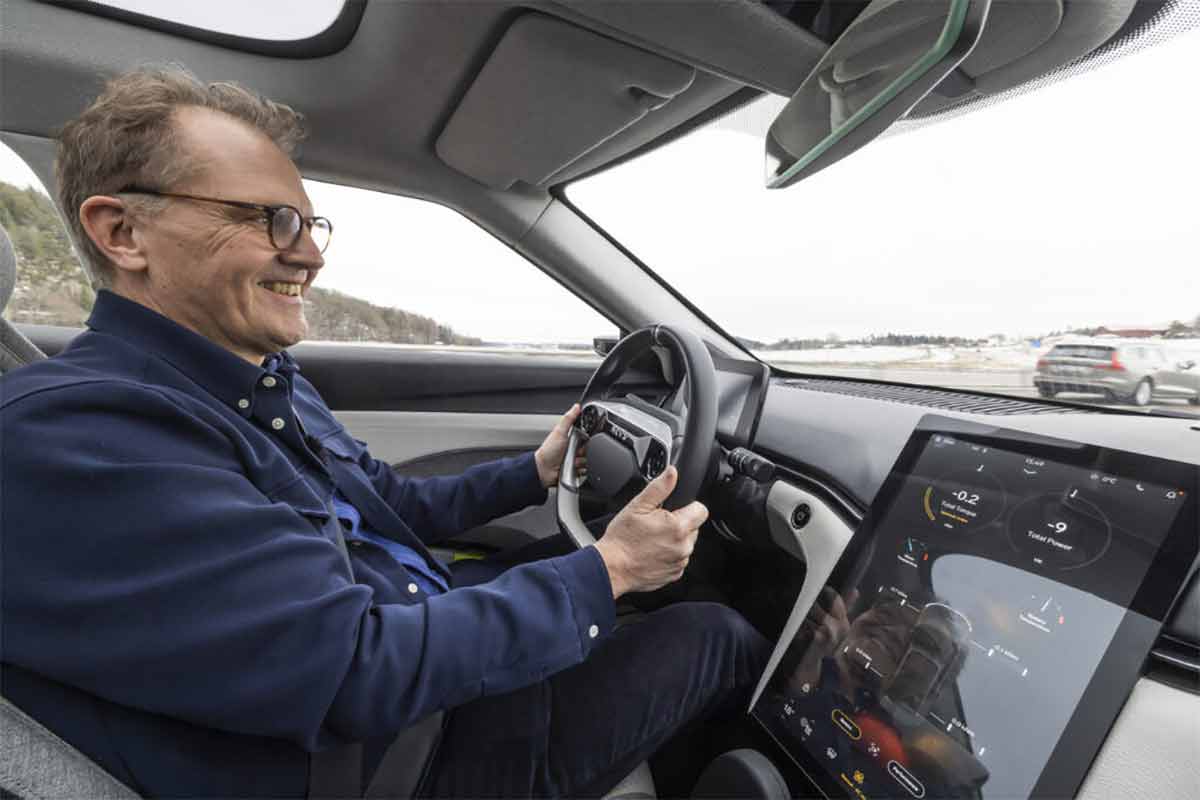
(1176, 329)
(874, 340)
(51, 288)
(333, 316)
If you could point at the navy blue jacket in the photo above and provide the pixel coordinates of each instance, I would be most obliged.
(172, 602)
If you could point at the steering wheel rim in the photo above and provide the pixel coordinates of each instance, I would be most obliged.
(692, 435)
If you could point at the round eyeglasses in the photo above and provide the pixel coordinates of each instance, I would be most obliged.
(284, 223)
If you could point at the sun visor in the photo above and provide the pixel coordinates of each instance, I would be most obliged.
(549, 93)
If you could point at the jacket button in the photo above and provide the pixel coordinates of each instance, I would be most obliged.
(412, 588)
(278, 423)
(268, 382)
(243, 403)
(593, 631)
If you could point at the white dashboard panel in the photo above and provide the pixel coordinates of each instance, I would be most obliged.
(819, 544)
(1153, 749)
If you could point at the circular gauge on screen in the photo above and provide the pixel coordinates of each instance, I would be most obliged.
(963, 500)
(1060, 529)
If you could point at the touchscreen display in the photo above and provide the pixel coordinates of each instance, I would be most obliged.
(954, 645)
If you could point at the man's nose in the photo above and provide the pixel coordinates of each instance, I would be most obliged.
(304, 252)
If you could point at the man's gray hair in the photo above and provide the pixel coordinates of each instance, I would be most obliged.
(127, 136)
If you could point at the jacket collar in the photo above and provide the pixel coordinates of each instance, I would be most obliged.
(215, 369)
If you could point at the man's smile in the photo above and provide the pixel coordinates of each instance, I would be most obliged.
(283, 287)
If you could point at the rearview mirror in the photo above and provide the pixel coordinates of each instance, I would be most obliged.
(892, 55)
(603, 345)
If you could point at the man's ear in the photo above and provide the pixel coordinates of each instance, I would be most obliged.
(109, 224)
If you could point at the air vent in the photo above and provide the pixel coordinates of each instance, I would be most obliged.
(930, 398)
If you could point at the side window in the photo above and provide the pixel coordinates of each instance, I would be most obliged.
(412, 272)
(398, 271)
(51, 287)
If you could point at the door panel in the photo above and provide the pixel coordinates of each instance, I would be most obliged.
(432, 411)
(375, 377)
(440, 443)
(420, 444)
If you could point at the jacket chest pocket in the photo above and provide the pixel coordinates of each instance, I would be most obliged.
(343, 446)
(305, 501)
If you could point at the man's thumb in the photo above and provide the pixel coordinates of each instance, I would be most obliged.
(659, 489)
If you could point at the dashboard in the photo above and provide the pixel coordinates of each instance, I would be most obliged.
(999, 581)
(996, 571)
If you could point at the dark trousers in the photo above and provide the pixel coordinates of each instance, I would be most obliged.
(579, 732)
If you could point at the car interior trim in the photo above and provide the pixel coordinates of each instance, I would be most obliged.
(729, 344)
(819, 545)
(329, 41)
(574, 87)
(1151, 749)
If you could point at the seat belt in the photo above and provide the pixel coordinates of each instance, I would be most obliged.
(336, 773)
(408, 759)
(333, 529)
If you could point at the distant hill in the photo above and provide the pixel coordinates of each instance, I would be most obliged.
(336, 317)
(52, 289)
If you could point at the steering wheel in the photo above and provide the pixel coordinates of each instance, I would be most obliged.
(630, 441)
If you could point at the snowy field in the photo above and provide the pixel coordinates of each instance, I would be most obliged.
(1017, 357)
(1022, 357)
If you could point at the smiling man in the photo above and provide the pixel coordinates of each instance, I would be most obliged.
(179, 600)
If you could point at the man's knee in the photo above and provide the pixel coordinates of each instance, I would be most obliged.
(718, 629)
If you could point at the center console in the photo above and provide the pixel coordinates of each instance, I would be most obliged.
(981, 630)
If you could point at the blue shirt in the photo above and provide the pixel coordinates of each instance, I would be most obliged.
(427, 580)
(174, 603)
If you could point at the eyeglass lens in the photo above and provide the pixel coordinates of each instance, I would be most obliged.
(285, 229)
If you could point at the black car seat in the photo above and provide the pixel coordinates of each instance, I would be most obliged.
(34, 763)
(15, 349)
(37, 765)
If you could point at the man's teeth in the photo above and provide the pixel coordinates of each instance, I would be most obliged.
(293, 289)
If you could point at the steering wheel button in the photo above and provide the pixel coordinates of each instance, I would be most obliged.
(593, 631)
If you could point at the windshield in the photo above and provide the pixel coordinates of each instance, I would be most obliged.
(957, 254)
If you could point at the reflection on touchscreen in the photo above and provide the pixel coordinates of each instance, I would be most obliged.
(872, 685)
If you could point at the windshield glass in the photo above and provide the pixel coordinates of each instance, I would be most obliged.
(957, 254)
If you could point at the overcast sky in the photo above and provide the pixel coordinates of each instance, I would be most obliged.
(1075, 205)
(1071, 206)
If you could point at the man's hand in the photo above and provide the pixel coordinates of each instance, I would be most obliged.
(549, 456)
(645, 546)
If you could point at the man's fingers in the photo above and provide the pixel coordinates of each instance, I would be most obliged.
(658, 490)
(567, 420)
(838, 608)
(692, 515)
